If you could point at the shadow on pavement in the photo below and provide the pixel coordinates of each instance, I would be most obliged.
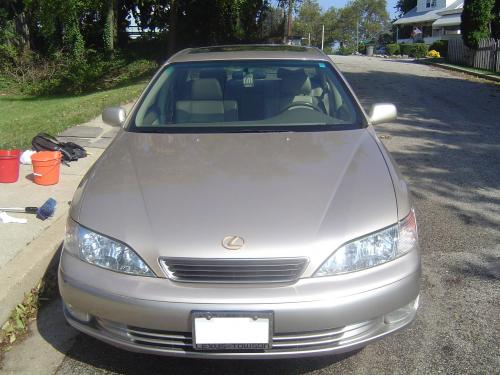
(450, 129)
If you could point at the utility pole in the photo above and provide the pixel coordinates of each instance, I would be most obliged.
(357, 35)
(322, 37)
(309, 40)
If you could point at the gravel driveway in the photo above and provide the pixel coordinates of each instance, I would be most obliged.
(447, 143)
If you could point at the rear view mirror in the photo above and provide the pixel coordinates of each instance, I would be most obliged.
(114, 116)
(383, 112)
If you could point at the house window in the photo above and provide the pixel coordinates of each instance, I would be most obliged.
(430, 3)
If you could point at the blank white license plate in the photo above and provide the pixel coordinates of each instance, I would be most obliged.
(231, 330)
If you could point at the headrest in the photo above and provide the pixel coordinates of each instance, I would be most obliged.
(220, 74)
(294, 81)
(238, 74)
(206, 89)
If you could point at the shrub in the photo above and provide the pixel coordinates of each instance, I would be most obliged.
(417, 50)
(440, 46)
(392, 49)
(433, 54)
(328, 50)
(405, 48)
(476, 21)
(61, 74)
(345, 50)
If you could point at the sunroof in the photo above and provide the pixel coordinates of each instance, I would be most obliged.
(249, 48)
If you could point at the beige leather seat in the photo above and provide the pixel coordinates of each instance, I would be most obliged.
(206, 104)
(295, 87)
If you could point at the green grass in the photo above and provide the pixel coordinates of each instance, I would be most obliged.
(22, 117)
(475, 70)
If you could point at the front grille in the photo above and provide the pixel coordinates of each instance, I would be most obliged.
(275, 270)
(299, 341)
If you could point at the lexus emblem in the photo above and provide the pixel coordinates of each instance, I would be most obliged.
(233, 242)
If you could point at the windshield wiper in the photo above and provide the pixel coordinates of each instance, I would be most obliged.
(257, 130)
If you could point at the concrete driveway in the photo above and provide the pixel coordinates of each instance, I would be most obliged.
(447, 143)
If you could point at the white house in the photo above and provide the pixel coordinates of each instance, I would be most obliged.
(431, 20)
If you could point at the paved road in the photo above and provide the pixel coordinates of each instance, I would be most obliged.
(447, 143)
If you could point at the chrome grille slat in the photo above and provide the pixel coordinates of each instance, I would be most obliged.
(182, 341)
(147, 341)
(167, 336)
(320, 334)
(248, 269)
(260, 270)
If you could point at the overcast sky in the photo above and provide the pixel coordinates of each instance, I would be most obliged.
(325, 4)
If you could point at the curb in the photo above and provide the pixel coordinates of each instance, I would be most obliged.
(467, 71)
(23, 272)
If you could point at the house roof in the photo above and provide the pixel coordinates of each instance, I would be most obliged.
(429, 16)
(416, 17)
(448, 20)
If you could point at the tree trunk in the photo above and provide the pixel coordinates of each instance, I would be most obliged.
(289, 18)
(23, 30)
(172, 27)
(109, 28)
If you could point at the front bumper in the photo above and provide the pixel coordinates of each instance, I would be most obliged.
(305, 326)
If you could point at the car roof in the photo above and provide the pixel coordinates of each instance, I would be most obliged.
(249, 52)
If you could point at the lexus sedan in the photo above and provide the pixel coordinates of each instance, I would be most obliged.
(245, 209)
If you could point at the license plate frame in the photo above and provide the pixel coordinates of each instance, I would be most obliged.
(255, 315)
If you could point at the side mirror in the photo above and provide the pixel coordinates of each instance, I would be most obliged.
(114, 116)
(383, 112)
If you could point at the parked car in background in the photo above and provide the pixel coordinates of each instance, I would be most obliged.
(246, 209)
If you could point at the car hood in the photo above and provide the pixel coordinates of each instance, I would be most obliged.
(286, 194)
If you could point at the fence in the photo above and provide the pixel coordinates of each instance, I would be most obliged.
(487, 56)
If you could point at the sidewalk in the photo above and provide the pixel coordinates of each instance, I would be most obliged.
(27, 249)
(471, 71)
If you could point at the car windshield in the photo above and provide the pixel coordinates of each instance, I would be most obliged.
(246, 96)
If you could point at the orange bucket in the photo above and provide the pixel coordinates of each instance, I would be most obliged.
(46, 166)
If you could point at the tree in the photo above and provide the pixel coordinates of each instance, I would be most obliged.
(495, 24)
(361, 20)
(331, 19)
(272, 23)
(309, 21)
(476, 21)
(404, 6)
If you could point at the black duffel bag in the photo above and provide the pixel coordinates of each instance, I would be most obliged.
(70, 151)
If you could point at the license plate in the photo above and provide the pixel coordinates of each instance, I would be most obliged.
(232, 330)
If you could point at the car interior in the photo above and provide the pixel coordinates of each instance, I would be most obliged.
(215, 95)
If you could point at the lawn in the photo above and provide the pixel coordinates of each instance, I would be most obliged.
(22, 117)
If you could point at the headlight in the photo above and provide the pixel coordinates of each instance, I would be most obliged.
(376, 248)
(104, 252)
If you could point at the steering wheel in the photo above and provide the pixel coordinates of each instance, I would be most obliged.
(301, 104)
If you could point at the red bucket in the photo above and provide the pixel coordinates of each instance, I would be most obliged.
(9, 165)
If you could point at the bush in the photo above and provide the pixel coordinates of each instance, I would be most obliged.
(345, 50)
(417, 50)
(392, 49)
(405, 48)
(61, 74)
(440, 46)
(328, 50)
(433, 54)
